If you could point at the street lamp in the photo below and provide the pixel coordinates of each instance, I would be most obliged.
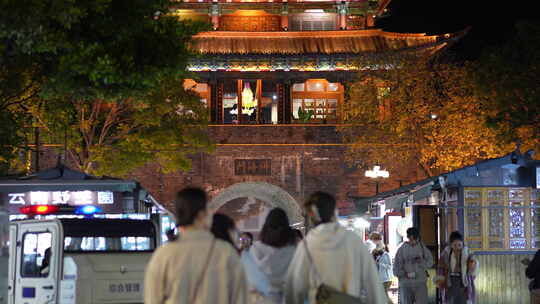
(375, 174)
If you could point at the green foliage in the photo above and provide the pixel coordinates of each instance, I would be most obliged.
(507, 85)
(113, 138)
(106, 76)
(304, 116)
(18, 87)
(9, 139)
(419, 112)
(99, 49)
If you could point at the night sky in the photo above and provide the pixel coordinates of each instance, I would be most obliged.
(492, 23)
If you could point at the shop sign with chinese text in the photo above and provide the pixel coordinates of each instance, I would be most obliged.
(106, 199)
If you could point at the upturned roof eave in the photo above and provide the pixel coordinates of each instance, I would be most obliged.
(311, 34)
(202, 47)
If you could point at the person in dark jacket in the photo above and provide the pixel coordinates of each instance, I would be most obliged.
(533, 272)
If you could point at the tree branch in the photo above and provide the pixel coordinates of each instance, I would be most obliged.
(109, 122)
(6, 100)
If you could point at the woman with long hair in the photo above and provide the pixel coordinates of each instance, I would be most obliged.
(383, 262)
(223, 228)
(457, 272)
(267, 261)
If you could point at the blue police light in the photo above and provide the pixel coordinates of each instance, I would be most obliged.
(87, 210)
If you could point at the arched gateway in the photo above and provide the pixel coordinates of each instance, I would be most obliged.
(268, 193)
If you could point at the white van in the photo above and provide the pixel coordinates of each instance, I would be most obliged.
(79, 260)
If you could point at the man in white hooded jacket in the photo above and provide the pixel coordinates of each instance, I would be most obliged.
(340, 258)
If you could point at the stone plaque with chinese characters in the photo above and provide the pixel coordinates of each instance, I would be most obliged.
(253, 167)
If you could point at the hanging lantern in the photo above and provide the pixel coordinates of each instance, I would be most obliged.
(248, 102)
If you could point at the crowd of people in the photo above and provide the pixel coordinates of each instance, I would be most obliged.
(211, 262)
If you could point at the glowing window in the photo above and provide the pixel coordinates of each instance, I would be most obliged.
(333, 87)
(315, 86)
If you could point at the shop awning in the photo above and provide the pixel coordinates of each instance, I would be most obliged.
(62, 178)
(423, 192)
(395, 202)
(14, 186)
(394, 198)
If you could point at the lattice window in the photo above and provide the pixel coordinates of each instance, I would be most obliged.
(313, 22)
(499, 218)
(268, 23)
(316, 100)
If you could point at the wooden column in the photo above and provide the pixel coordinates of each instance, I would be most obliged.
(287, 107)
(214, 13)
(281, 102)
(342, 22)
(284, 102)
(342, 11)
(216, 101)
(370, 21)
(215, 22)
(212, 103)
(285, 17)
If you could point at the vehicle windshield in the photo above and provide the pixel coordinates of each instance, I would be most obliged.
(108, 235)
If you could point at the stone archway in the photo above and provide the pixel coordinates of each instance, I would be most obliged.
(273, 195)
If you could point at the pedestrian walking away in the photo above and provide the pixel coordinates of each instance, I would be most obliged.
(224, 228)
(333, 257)
(411, 263)
(456, 272)
(267, 261)
(196, 268)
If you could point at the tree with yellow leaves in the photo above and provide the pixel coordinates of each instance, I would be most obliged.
(417, 111)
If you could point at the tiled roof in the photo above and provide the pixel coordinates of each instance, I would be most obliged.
(323, 42)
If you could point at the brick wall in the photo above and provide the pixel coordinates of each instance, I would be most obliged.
(303, 159)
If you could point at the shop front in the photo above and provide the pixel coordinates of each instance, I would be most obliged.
(493, 204)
